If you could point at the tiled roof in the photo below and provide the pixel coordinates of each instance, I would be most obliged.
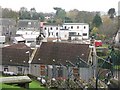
(7, 22)
(60, 52)
(15, 55)
(18, 46)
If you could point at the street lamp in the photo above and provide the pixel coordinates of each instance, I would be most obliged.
(29, 62)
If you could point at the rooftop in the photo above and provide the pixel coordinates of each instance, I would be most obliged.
(60, 52)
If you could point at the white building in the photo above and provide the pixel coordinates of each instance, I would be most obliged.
(76, 30)
(51, 31)
(117, 37)
(68, 31)
(29, 36)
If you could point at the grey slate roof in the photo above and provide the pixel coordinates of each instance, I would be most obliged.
(28, 24)
(60, 52)
(15, 55)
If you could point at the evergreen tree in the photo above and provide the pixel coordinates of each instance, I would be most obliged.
(97, 21)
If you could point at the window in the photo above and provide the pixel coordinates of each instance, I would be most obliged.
(57, 34)
(84, 27)
(65, 27)
(51, 28)
(77, 27)
(71, 27)
(6, 68)
(20, 70)
(45, 28)
(72, 33)
(56, 28)
(84, 34)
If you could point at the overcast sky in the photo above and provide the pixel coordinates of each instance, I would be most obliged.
(47, 5)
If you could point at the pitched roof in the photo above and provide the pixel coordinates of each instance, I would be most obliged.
(60, 52)
(7, 21)
(28, 24)
(15, 55)
(18, 46)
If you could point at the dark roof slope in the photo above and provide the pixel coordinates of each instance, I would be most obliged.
(7, 22)
(15, 55)
(60, 52)
(28, 24)
(18, 46)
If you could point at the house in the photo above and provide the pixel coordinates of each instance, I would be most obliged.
(76, 30)
(29, 30)
(7, 28)
(15, 58)
(51, 32)
(51, 60)
(67, 31)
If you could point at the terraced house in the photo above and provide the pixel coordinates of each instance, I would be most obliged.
(63, 60)
(51, 59)
(15, 59)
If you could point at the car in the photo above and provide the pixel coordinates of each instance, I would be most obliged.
(9, 73)
(98, 43)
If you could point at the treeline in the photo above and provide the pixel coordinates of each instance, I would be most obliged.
(101, 26)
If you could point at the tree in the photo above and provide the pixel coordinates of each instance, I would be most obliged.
(24, 14)
(97, 21)
(60, 14)
(94, 32)
(8, 13)
(108, 27)
(111, 13)
(34, 14)
(72, 14)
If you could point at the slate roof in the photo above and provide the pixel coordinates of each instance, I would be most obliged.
(7, 22)
(15, 55)
(60, 52)
(28, 24)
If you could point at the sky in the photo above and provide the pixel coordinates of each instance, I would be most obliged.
(47, 5)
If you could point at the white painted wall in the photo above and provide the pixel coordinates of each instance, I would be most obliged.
(81, 28)
(15, 69)
(51, 31)
(117, 38)
(64, 30)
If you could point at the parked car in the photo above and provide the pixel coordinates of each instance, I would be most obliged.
(9, 73)
(98, 43)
